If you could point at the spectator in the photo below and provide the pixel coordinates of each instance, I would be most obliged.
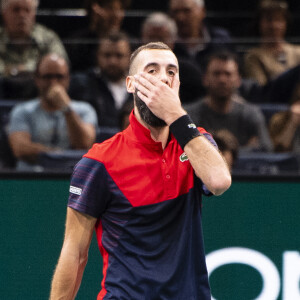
(22, 43)
(160, 27)
(274, 55)
(104, 85)
(284, 126)
(222, 108)
(196, 39)
(228, 145)
(104, 17)
(53, 121)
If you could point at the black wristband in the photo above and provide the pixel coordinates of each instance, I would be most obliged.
(184, 130)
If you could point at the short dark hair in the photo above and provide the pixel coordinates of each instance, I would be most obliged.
(149, 46)
(223, 55)
(115, 37)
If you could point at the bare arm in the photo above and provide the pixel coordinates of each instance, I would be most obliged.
(82, 135)
(164, 102)
(23, 147)
(73, 257)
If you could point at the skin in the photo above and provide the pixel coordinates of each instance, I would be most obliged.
(157, 79)
(189, 17)
(113, 59)
(108, 18)
(53, 95)
(19, 18)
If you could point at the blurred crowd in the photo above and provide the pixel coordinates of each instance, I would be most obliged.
(63, 93)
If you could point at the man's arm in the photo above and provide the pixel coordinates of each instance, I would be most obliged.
(82, 135)
(164, 102)
(23, 147)
(73, 257)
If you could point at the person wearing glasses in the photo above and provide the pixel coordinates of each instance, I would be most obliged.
(52, 121)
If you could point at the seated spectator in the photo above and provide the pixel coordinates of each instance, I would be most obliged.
(53, 121)
(104, 85)
(222, 108)
(160, 27)
(22, 43)
(104, 17)
(274, 55)
(228, 145)
(196, 39)
(284, 126)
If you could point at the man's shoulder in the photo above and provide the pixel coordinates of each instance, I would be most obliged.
(27, 106)
(42, 33)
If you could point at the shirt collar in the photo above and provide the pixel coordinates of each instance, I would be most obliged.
(141, 134)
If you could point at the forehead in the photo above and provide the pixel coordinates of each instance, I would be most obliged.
(160, 57)
(57, 64)
(23, 3)
(108, 45)
(176, 4)
(220, 64)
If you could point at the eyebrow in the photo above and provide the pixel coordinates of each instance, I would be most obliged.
(153, 64)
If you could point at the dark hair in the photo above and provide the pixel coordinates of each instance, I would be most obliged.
(149, 46)
(223, 55)
(88, 4)
(115, 37)
(226, 141)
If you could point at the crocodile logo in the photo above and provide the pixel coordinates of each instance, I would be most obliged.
(183, 157)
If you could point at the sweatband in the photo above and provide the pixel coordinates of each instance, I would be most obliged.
(184, 130)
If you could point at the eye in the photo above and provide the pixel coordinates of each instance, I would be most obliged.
(151, 71)
(171, 73)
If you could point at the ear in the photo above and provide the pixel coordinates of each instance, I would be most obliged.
(129, 84)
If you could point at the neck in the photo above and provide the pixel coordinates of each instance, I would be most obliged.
(160, 134)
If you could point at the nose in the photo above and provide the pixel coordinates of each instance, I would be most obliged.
(165, 78)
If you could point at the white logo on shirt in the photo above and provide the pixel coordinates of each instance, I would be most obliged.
(75, 190)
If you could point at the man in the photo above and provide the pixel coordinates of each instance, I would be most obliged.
(104, 85)
(104, 17)
(53, 121)
(22, 41)
(222, 108)
(195, 38)
(160, 27)
(139, 190)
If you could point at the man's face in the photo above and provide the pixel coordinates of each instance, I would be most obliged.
(19, 18)
(188, 17)
(113, 59)
(273, 25)
(109, 17)
(221, 78)
(52, 71)
(163, 65)
(160, 33)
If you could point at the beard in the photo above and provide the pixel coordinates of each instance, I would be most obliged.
(146, 114)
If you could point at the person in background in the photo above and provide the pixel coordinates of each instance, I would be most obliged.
(104, 17)
(22, 43)
(223, 108)
(196, 39)
(104, 85)
(284, 126)
(274, 55)
(142, 193)
(228, 145)
(52, 121)
(159, 26)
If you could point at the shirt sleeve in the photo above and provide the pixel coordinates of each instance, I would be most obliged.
(18, 120)
(89, 191)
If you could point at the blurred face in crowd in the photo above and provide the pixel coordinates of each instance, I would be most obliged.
(52, 70)
(113, 59)
(19, 17)
(188, 16)
(109, 16)
(273, 25)
(221, 78)
(154, 33)
(163, 65)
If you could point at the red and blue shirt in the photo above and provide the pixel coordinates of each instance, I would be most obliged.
(148, 204)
